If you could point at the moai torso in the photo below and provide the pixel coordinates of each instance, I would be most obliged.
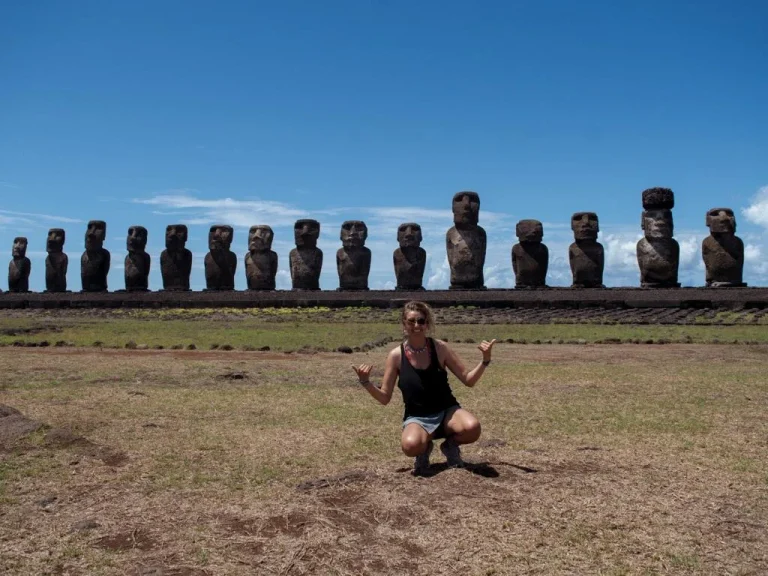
(220, 262)
(530, 257)
(176, 260)
(19, 267)
(95, 261)
(466, 243)
(56, 263)
(722, 250)
(410, 258)
(658, 253)
(306, 260)
(260, 261)
(586, 255)
(353, 259)
(137, 262)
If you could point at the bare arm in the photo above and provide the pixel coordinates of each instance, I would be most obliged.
(455, 365)
(391, 370)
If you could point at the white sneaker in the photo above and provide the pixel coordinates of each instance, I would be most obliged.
(452, 453)
(421, 464)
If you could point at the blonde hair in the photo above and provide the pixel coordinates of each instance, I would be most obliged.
(421, 307)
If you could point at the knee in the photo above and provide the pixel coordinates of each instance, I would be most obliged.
(413, 445)
(472, 430)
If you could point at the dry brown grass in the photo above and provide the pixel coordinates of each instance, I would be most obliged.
(594, 460)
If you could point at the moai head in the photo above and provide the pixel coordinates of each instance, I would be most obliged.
(55, 241)
(306, 232)
(176, 237)
(137, 239)
(466, 208)
(658, 224)
(95, 235)
(19, 249)
(721, 221)
(409, 235)
(260, 238)
(353, 234)
(529, 231)
(220, 237)
(585, 226)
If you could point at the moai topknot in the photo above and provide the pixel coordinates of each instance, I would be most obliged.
(658, 254)
(353, 259)
(220, 262)
(19, 267)
(57, 262)
(306, 260)
(530, 257)
(137, 262)
(95, 261)
(261, 260)
(176, 260)
(410, 258)
(722, 250)
(465, 243)
(586, 254)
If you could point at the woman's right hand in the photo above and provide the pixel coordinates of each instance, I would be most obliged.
(363, 372)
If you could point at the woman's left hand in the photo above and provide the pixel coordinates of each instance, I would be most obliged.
(485, 347)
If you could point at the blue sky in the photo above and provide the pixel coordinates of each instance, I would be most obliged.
(246, 113)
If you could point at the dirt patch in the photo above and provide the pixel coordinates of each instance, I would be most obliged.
(14, 426)
(127, 540)
(170, 571)
(61, 438)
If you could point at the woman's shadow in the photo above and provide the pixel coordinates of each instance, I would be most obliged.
(484, 469)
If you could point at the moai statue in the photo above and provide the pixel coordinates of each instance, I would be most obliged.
(306, 260)
(57, 262)
(261, 260)
(95, 261)
(176, 260)
(530, 257)
(465, 243)
(19, 267)
(137, 262)
(410, 258)
(658, 254)
(586, 254)
(220, 262)
(353, 259)
(722, 250)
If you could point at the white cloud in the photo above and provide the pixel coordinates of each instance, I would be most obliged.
(33, 219)
(757, 211)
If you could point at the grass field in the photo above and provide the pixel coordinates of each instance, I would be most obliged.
(594, 459)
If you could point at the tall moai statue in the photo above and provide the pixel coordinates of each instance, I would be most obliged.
(19, 267)
(586, 254)
(176, 260)
(410, 258)
(465, 243)
(57, 262)
(220, 262)
(261, 260)
(353, 259)
(95, 261)
(306, 260)
(722, 250)
(137, 262)
(658, 253)
(530, 257)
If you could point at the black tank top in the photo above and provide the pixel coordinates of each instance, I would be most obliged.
(426, 391)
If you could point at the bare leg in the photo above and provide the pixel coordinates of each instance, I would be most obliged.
(414, 440)
(461, 426)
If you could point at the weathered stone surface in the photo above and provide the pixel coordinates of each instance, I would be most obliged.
(658, 253)
(137, 262)
(220, 262)
(466, 243)
(260, 261)
(95, 261)
(722, 250)
(176, 260)
(530, 257)
(56, 263)
(353, 259)
(19, 267)
(586, 255)
(410, 258)
(306, 260)
(658, 199)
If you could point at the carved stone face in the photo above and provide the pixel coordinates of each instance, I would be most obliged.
(409, 235)
(176, 237)
(56, 238)
(529, 231)
(721, 221)
(353, 234)
(260, 238)
(306, 232)
(95, 235)
(220, 237)
(137, 239)
(19, 249)
(466, 208)
(585, 226)
(658, 224)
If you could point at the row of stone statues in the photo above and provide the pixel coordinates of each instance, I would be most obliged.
(658, 253)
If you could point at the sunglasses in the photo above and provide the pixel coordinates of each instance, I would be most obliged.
(414, 321)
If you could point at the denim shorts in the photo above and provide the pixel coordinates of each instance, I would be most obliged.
(432, 422)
